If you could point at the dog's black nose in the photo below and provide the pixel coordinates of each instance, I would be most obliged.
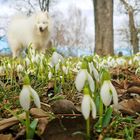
(41, 29)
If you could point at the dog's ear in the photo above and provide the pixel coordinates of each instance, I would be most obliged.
(46, 12)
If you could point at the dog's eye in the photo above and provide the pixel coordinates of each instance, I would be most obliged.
(44, 22)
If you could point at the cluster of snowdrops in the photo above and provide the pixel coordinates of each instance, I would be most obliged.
(91, 77)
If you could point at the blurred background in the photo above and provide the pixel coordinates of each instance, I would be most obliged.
(73, 24)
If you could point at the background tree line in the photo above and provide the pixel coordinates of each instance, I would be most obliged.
(104, 36)
(70, 31)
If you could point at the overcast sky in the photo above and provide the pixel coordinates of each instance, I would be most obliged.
(120, 20)
(6, 8)
(83, 4)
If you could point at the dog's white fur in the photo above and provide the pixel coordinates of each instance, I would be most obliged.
(24, 30)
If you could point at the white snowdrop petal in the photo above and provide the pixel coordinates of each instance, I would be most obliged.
(37, 58)
(114, 94)
(56, 58)
(57, 66)
(24, 97)
(90, 67)
(96, 74)
(120, 61)
(35, 97)
(60, 57)
(91, 82)
(105, 93)
(80, 80)
(85, 106)
(94, 70)
(2, 69)
(93, 108)
(65, 69)
(27, 60)
(50, 75)
(19, 68)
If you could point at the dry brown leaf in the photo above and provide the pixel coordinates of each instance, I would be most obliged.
(50, 85)
(6, 137)
(134, 89)
(130, 106)
(121, 91)
(5, 123)
(20, 134)
(134, 83)
(38, 113)
(42, 123)
(42, 119)
(62, 129)
(63, 106)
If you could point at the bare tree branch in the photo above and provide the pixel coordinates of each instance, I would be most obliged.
(29, 2)
(133, 30)
(127, 6)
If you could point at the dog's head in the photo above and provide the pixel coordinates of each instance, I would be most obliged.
(42, 21)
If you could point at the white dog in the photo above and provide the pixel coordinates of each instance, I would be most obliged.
(24, 31)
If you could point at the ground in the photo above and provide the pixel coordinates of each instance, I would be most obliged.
(60, 114)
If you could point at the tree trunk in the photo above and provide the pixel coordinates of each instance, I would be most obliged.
(104, 40)
(44, 5)
(134, 40)
(133, 33)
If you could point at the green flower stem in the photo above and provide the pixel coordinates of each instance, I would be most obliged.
(63, 79)
(12, 71)
(27, 125)
(55, 88)
(26, 80)
(37, 71)
(69, 75)
(88, 128)
(87, 91)
(101, 112)
(47, 70)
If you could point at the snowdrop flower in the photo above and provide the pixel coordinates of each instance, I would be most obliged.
(56, 58)
(112, 63)
(68, 63)
(78, 66)
(26, 94)
(19, 68)
(137, 70)
(2, 69)
(57, 66)
(97, 57)
(103, 64)
(121, 61)
(109, 58)
(42, 56)
(81, 78)
(93, 70)
(50, 75)
(138, 53)
(35, 58)
(108, 92)
(87, 106)
(9, 66)
(27, 60)
(65, 69)
(136, 58)
(75, 70)
(32, 51)
(130, 62)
